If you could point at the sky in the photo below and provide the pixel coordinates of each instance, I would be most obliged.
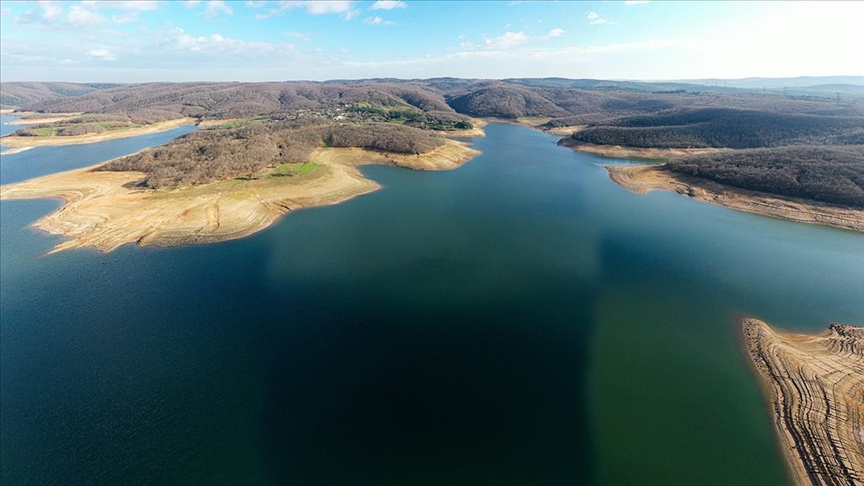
(143, 41)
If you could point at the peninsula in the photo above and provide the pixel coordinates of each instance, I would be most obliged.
(226, 183)
(815, 385)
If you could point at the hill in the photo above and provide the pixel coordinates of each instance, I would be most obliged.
(24, 93)
(724, 128)
(832, 175)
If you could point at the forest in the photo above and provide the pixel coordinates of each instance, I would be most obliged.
(724, 128)
(248, 151)
(832, 175)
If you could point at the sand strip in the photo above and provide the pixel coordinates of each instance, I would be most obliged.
(642, 179)
(815, 385)
(17, 141)
(622, 152)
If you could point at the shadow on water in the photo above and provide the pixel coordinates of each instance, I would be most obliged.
(444, 345)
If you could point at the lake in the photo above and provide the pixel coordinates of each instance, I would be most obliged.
(519, 320)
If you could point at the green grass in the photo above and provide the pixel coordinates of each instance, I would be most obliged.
(293, 170)
(243, 122)
(45, 131)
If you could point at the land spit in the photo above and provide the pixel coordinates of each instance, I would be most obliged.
(815, 385)
(29, 142)
(646, 178)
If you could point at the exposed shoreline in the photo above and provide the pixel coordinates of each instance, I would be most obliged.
(643, 179)
(30, 142)
(32, 118)
(814, 385)
(15, 150)
(105, 209)
(622, 152)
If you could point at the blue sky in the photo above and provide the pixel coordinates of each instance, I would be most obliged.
(138, 41)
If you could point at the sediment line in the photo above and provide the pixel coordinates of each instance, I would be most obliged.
(816, 388)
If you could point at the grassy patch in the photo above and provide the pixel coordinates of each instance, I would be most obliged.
(243, 122)
(45, 131)
(293, 170)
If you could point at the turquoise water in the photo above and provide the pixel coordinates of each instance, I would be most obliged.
(520, 320)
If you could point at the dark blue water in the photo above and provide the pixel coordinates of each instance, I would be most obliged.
(520, 320)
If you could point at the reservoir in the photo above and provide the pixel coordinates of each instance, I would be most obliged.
(519, 320)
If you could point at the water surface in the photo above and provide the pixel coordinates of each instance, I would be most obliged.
(520, 320)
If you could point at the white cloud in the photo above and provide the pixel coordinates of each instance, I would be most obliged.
(179, 40)
(506, 40)
(102, 54)
(554, 33)
(319, 7)
(48, 13)
(133, 5)
(255, 3)
(314, 7)
(595, 19)
(377, 20)
(634, 2)
(387, 5)
(299, 35)
(83, 17)
(216, 7)
(191, 3)
(125, 18)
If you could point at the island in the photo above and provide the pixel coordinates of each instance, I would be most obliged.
(815, 385)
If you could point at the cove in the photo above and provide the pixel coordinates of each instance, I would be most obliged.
(520, 320)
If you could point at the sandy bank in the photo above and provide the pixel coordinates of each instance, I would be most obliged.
(816, 388)
(565, 131)
(15, 150)
(32, 118)
(642, 179)
(107, 209)
(622, 152)
(16, 141)
(6, 111)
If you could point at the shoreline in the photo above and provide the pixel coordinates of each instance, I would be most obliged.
(106, 210)
(14, 150)
(813, 385)
(642, 179)
(15, 141)
(35, 117)
(623, 152)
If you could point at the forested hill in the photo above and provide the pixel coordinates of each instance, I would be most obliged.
(827, 174)
(20, 94)
(725, 128)
(567, 102)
